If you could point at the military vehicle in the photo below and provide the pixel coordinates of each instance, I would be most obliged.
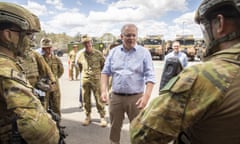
(200, 47)
(156, 45)
(59, 52)
(187, 43)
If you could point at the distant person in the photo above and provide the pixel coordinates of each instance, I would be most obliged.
(177, 53)
(56, 66)
(73, 68)
(131, 68)
(112, 45)
(91, 62)
(174, 63)
(168, 48)
(201, 105)
(40, 51)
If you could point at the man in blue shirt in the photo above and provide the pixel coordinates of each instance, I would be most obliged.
(131, 68)
(177, 53)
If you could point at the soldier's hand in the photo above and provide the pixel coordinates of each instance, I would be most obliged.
(53, 86)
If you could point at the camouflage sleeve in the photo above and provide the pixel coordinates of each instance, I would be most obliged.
(102, 61)
(162, 119)
(100, 58)
(60, 68)
(44, 68)
(184, 100)
(34, 123)
(79, 62)
(159, 123)
(139, 134)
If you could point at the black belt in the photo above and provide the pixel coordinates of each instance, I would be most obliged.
(126, 94)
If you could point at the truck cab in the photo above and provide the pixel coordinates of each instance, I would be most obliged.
(187, 43)
(155, 44)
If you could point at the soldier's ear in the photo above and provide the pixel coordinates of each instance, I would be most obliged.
(7, 35)
(220, 23)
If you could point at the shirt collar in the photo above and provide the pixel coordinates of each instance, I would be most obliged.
(134, 48)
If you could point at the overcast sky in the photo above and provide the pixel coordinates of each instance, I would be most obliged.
(96, 17)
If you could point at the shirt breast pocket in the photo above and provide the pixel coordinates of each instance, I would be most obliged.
(55, 68)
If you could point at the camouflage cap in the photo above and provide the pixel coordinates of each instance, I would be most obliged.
(46, 42)
(86, 38)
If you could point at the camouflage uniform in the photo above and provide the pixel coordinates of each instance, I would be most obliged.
(36, 68)
(55, 97)
(72, 57)
(203, 101)
(22, 117)
(18, 102)
(91, 65)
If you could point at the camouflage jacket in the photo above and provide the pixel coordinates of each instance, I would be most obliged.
(56, 65)
(72, 56)
(203, 100)
(91, 64)
(35, 67)
(18, 104)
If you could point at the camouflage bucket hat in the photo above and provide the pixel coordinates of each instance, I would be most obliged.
(46, 42)
(86, 38)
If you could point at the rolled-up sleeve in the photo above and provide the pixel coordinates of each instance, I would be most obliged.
(149, 68)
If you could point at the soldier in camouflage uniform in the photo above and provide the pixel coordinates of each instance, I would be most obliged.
(201, 105)
(73, 67)
(22, 117)
(90, 63)
(36, 70)
(56, 66)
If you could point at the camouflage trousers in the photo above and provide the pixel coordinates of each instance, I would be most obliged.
(73, 70)
(89, 86)
(53, 101)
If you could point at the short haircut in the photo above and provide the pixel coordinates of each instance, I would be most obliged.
(128, 25)
(175, 42)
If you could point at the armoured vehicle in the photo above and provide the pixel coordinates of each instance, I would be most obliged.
(156, 45)
(187, 45)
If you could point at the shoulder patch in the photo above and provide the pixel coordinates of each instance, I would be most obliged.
(184, 83)
(171, 82)
(180, 83)
(18, 76)
(14, 75)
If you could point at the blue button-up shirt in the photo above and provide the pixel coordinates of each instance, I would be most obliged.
(181, 56)
(130, 70)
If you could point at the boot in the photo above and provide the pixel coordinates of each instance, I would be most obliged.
(103, 122)
(87, 121)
